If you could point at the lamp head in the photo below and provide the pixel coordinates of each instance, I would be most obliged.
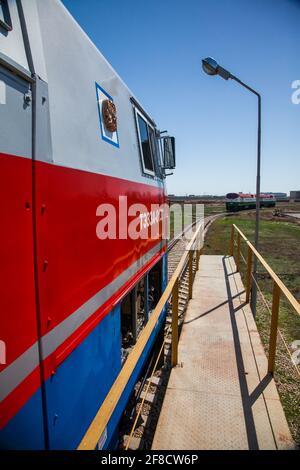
(210, 66)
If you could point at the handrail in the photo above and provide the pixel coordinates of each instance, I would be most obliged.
(273, 275)
(278, 288)
(100, 421)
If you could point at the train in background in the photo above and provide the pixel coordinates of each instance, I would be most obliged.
(240, 201)
(73, 139)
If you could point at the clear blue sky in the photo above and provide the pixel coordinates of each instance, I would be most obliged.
(157, 46)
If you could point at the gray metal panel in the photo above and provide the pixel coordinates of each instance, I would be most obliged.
(72, 71)
(11, 42)
(34, 36)
(15, 115)
(43, 143)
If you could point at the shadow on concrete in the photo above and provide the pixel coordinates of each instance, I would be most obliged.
(247, 399)
(215, 308)
(260, 388)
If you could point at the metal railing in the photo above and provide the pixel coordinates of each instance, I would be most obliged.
(278, 288)
(100, 421)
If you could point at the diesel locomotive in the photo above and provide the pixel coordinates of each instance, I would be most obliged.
(240, 201)
(76, 290)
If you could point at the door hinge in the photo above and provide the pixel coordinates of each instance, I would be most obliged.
(27, 99)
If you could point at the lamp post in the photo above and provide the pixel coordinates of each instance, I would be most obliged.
(211, 67)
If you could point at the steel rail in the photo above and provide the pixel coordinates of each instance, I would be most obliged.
(207, 221)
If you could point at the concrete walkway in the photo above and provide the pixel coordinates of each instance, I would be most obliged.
(220, 396)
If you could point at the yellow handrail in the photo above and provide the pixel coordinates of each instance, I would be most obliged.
(293, 301)
(100, 421)
(278, 289)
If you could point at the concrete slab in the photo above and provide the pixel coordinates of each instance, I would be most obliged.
(220, 396)
(293, 214)
(195, 418)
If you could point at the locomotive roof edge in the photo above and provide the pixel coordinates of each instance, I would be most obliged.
(68, 77)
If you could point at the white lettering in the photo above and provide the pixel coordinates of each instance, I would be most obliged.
(2, 352)
(108, 212)
(296, 95)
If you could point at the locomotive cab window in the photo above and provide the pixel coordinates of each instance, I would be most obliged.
(145, 132)
(5, 19)
(154, 138)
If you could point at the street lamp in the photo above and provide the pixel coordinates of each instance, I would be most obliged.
(211, 67)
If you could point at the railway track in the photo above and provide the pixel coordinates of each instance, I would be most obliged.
(176, 250)
(150, 390)
(177, 246)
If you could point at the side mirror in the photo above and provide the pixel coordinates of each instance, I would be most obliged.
(169, 153)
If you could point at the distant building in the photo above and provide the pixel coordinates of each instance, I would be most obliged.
(195, 198)
(277, 195)
(295, 195)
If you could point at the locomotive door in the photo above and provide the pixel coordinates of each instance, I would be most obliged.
(21, 411)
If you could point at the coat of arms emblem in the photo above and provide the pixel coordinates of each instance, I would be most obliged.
(109, 114)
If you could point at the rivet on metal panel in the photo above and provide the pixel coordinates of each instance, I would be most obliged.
(53, 372)
(27, 206)
(55, 417)
(43, 208)
(44, 99)
(49, 320)
(45, 265)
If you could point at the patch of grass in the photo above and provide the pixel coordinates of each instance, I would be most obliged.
(280, 246)
(180, 217)
(214, 208)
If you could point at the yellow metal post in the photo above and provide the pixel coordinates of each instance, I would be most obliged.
(198, 258)
(238, 255)
(231, 252)
(175, 324)
(171, 225)
(249, 271)
(191, 254)
(274, 325)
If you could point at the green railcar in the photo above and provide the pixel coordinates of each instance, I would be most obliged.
(240, 201)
